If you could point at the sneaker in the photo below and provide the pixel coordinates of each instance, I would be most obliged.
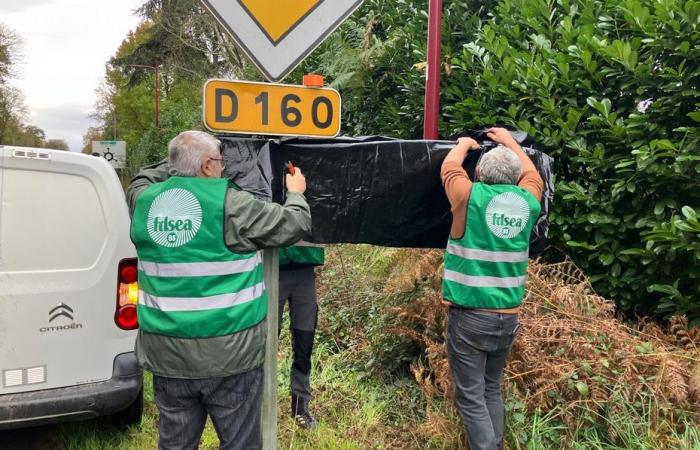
(305, 420)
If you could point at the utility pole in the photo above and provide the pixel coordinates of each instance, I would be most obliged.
(432, 73)
(156, 94)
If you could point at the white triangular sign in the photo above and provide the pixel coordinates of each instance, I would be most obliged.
(278, 34)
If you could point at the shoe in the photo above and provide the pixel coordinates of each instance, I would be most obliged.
(300, 411)
(306, 420)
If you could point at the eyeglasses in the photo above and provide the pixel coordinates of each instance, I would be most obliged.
(221, 160)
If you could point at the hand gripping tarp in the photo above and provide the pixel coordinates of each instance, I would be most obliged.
(372, 190)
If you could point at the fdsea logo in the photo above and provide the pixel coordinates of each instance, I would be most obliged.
(507, 215)
(174, 218)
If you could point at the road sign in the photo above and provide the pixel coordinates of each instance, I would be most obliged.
(112, 151)
(278, 35)
(271, 109)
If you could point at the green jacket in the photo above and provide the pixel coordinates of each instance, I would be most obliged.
(487, 266)
(249, 225)
(302, 254)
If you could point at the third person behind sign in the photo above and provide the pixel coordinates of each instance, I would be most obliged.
(297, 284)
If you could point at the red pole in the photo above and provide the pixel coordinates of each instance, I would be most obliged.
(432, 75)
(157, 93)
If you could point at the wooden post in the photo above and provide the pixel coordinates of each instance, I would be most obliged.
(269, 409)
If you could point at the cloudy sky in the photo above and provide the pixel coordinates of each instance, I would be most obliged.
(66, 46)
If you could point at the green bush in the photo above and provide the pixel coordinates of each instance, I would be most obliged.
(609, 88)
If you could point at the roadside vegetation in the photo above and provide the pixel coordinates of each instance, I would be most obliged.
(578, 378)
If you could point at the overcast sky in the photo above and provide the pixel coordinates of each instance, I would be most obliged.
(66, 46)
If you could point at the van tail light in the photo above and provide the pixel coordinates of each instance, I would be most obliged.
(127, 295)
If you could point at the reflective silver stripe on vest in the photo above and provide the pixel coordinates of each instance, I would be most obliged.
(482, 281)
(307, 244)
(199, 269)
(201, 303)
(486, 255)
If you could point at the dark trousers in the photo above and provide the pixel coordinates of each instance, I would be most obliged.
(477, 347)
(233, 403)
(298, 287)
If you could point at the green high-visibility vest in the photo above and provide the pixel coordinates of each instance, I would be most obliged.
(190, 284)
(487, 267)
(303, 253)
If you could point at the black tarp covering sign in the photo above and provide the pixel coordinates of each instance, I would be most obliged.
(371, 190)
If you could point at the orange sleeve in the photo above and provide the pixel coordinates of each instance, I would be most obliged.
(530, 178)
(457, 186)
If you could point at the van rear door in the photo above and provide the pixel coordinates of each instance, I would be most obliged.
(64, 227)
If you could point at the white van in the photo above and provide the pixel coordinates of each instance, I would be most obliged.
(67, 291)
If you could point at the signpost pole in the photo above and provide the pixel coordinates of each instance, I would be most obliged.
(432, 74)
(269, 409)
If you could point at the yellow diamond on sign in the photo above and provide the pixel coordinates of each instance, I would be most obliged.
(268, 16)
(278, 34)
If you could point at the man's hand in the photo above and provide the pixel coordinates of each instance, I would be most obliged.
(501, 136)
(459, 151)
(297, 182)
(468, 143)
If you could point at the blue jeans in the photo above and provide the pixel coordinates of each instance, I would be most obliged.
(233, 403)
(478, 343)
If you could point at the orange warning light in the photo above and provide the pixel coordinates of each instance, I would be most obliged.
(313, 80)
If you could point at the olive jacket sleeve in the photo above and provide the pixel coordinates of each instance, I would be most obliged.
(155, 173)
(249, 224)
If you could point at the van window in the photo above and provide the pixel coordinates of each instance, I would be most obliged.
(49, 221)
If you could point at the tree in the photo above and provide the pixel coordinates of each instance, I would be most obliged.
(30, 136)
(186, 40)
(57, 144)
(12, 109)
(92, 134)
(125, 105)
(10, 52)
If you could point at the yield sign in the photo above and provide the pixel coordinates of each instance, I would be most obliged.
(278, 34)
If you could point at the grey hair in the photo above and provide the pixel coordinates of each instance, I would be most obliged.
(188, 149)
(500, 166)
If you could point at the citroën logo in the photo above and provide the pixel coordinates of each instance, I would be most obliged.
(174, 218)
(507, 215)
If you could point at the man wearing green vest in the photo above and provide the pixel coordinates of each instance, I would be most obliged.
(485, 272)
(202, 302)
(297, 284)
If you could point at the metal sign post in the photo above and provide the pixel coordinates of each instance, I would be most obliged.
(269, 409)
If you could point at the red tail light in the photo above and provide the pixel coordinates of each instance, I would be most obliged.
(127, 295)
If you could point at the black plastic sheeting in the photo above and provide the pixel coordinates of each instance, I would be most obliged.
(372, 190)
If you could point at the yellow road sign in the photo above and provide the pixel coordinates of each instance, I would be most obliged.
(271, 109)
(278, 34)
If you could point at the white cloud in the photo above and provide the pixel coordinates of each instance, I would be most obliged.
(16, 5)
(66, 46)
(63, 122)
